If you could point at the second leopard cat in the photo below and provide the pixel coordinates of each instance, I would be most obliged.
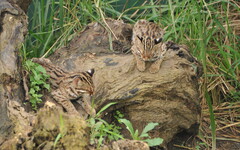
(147, 45)
(67, 86)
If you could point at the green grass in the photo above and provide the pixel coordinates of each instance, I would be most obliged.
(207, 27)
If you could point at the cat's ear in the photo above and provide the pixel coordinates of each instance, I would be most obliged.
(91, 72)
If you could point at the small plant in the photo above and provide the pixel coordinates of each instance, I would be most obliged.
(101, 130)
(118, 115)
(62, 132)
(38, 78)
(135, 135)
(200, 145)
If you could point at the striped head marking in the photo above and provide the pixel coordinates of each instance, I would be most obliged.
(147, 40)
(83, 82)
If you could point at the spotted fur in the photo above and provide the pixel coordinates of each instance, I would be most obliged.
(147, 45)
(68, 86)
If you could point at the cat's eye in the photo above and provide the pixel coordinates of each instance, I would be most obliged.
(156, 41)
(140, 38)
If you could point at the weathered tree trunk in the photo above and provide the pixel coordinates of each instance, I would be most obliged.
(169, 97)
(13, 27)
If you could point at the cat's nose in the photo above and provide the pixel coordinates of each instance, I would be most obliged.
(145, 58)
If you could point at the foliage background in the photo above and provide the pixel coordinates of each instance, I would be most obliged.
(210, 28)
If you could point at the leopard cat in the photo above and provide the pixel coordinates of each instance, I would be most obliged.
(67, 86)
(147, 45)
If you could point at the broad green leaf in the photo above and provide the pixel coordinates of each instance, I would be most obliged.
(91, 121)
(128, 125)
(46, 76)
(40, 68)
(135, 136)
(98, 125)
(34, 73)
(29, 64)
(32, 91)
(37, 78)
(33, 83)
(149, 127)
(101, 120)
(100, 140)
(40, 82)
(104, 108)
(47, 86)
(144, 135)
(39, 95)
(36, 88)
(154, 142)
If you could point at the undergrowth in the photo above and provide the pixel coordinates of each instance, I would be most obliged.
(144, 135)
(103, 132)
(209, 28)
(38, 81)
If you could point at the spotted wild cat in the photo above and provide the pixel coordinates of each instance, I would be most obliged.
(147, 45)
(68, 86)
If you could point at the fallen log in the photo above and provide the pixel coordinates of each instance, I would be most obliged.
(169, 97)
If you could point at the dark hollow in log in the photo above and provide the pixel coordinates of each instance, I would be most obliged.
(169, 97)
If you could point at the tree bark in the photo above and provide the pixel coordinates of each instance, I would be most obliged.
(169, 97)
(13, 28)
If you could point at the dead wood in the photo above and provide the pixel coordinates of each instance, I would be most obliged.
(169, 97)
(13, 27)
